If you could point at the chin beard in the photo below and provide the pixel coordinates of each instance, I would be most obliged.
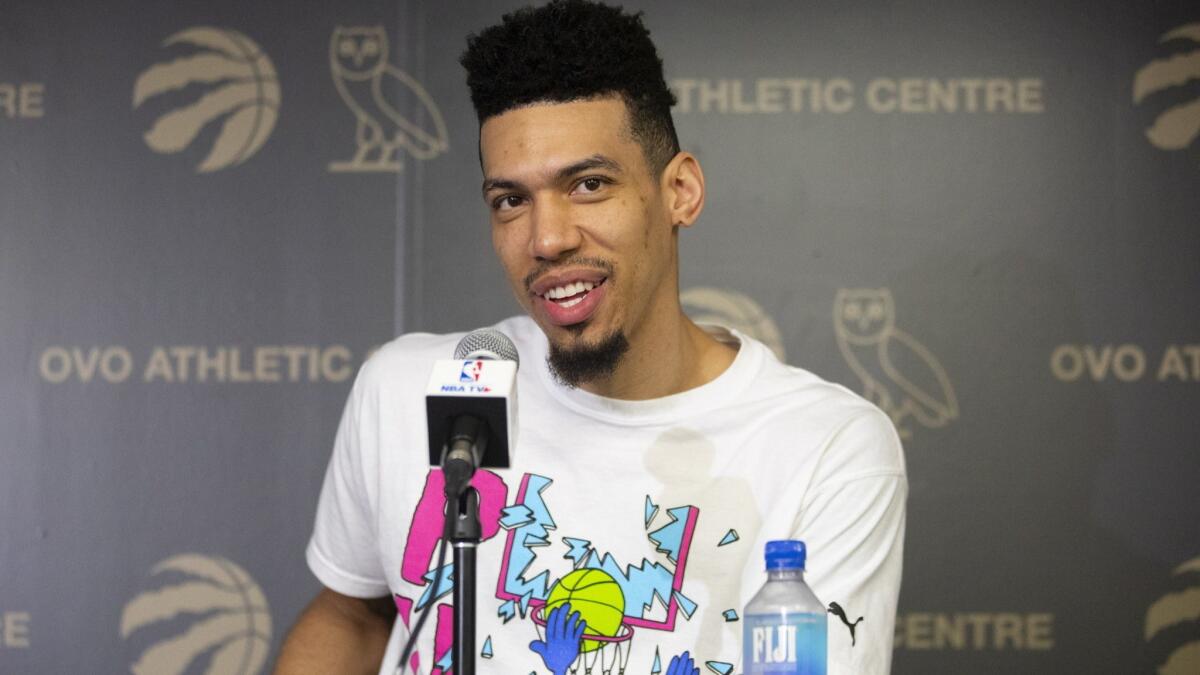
(577, 364)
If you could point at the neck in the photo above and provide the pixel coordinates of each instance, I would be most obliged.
(678, 357)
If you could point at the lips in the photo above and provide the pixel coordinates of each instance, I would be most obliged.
(570, 299)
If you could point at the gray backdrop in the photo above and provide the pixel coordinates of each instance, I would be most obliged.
(982, 214)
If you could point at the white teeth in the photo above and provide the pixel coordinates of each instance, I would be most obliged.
(570, 303)
(568, 290)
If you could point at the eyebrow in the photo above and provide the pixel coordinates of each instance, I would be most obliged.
(587, 164)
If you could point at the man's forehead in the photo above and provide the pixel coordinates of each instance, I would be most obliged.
(555, 133)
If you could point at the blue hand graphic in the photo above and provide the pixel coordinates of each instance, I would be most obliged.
(563, 632)
(682, 665)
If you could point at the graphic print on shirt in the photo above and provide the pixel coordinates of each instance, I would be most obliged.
(587, 618)
(610, 597)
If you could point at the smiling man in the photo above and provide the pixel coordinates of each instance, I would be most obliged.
(655, 456)
(586, 222)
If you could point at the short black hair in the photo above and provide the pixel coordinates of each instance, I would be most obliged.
(571, 50)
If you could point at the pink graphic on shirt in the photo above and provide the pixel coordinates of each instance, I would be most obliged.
(444, 638)
(403, 607)
(420, 550)
(426, 531)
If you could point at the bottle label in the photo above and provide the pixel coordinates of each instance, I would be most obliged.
(795, 646)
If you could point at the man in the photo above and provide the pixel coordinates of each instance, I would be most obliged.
(655, 457)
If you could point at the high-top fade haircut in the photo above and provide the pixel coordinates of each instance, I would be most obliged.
(573, 50)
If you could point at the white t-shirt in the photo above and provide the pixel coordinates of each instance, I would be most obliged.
(649, 517)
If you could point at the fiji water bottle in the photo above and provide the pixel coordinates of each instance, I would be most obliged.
(783, 629)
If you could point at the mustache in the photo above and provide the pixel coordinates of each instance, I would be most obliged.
(574, 261)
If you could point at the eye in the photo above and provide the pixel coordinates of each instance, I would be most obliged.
(875, 311)
(507, 202)
(852, 311)
(589, 185)
(346, 47)
(371, 47)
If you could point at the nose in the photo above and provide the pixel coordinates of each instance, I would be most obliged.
(553, 234)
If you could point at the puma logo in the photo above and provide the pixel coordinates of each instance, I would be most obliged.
(840, 613)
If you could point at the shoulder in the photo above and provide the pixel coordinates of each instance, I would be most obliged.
(404, 356)
(856, 438)
(801, 391)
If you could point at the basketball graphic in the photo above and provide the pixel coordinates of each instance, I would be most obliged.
(597, 598)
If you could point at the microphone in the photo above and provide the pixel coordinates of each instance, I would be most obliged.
(471, 407)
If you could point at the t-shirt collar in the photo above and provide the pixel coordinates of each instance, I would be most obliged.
(727, 386)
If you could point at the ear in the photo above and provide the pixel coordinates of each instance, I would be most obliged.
(682, 184)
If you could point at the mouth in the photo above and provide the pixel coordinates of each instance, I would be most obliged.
(571, 294)
(571, 300)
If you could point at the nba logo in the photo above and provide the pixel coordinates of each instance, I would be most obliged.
(471, 371)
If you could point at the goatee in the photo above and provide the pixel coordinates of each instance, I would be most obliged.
(577, 364)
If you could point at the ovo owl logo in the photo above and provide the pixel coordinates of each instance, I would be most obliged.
(898, 373)
(205, 616)
(241, 93)
(730, 308)
(392, 111)
(1178, 125)
(1173, 623)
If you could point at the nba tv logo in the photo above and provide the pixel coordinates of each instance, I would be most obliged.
(471, 371)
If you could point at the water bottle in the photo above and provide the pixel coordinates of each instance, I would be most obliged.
(784, 625)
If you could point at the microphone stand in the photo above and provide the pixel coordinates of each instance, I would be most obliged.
(465, 534)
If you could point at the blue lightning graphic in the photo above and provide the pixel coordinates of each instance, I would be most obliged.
(580, 549)
(444, 586)
(507, 610)
(669, 538)
(641, 584)
(515, 516)
(651, 511)
(686, 605)
(532, 525)
(644, 585)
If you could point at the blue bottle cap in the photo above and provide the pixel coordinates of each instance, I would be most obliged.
(786, 554)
